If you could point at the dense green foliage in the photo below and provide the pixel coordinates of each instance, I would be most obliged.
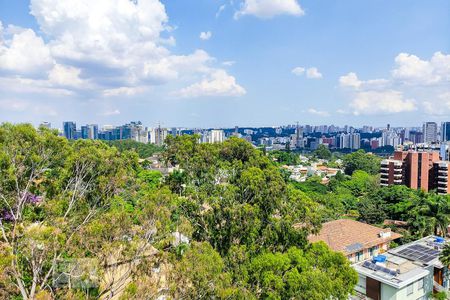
(84, 220)
(285, 157)
(143, 150)
(322, 152)
(226, 224)
(360, 160)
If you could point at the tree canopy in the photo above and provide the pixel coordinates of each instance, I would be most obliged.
(360, 160)
(85, 220)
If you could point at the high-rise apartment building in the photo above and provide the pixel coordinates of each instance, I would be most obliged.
(158, 135)
(70, 129)
(355, 141)
(440, 176)
(89, 132)
(349, 141)
(216, 136)
(344, 141)
(415, 169)
(445, 132)
(430, 132)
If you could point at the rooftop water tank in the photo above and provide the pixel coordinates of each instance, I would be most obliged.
(439, 239)
(380, 258)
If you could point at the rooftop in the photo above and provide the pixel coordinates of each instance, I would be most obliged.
(349, 236)
(404, 264)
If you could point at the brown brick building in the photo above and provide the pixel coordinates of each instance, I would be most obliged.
(417, 170)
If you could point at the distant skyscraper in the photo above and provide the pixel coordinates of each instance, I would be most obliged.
(158, 135)
(216, 136)
(355, 141)
(70, 129)
(84, 132)
(445, 132)
(174, 131)
(430, 132)
(344, 140)
(299, 137)
(89, 132)
(93, 131)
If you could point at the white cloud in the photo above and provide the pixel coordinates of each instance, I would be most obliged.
(218, 84)
(267, 9)
(350, 80)
(412, 70)
(25, 53)
(229, 63)
(112, 112)
(123, 91)
(425, 81)
(298, 71)
(205, 35)
(19, 85)
(439, 106)
(381, 102)
(220, 10)
(313, 73)
(23, 106)
(66, 76)
(97, 48)
(13, 105)
(320, 113)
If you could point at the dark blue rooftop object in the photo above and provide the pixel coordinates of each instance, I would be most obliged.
(439, 239)
(380, 258)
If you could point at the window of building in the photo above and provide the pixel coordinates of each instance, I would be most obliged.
(359, 256)
(420, 284)
(362, 282)
(410, 289)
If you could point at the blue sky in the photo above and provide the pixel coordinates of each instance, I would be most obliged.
(260, 62)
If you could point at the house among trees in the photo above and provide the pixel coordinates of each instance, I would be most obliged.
(358, 241)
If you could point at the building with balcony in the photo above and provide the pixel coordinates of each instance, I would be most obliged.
(391, 172)
(415, 169)
(440, 178)
(411, 271)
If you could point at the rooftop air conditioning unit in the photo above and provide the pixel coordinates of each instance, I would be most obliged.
(384, 234)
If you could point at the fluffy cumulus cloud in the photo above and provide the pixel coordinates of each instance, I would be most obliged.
(413, 84)
(24, 53)
(311, 73)
(101, 48)
(267, 9)
(218, 84)
(381, 102)
(412, 70)
(205, 35)
(66, 76)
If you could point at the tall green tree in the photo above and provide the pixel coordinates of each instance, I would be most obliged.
(360, 160)
(322, 152)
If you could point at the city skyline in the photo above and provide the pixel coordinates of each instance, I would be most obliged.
(248, 62)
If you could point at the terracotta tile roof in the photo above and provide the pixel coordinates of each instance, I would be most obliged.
(349, 236)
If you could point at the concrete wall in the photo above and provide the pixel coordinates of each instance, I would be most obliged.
(391, 293)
